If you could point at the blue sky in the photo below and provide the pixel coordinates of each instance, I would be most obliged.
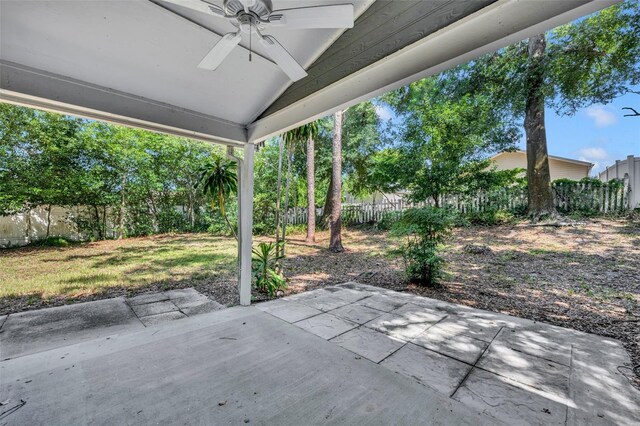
(598, 134)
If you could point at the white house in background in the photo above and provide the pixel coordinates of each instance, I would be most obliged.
(559, 167)
(627, 170)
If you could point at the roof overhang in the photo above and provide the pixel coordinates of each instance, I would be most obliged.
(97, 64)
(551, 157)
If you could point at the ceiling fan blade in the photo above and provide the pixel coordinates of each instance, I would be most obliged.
(220, 51)
(284, 60)
(199, 6)
(335, 16)
(247, 4)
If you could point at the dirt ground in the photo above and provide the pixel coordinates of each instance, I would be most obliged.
(585, 277)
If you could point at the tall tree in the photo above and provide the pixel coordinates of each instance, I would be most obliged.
(335, 242)
(311, 187)
(279, 247)
(290, 138)
(360, 140)
(309, 132)
(538, 174)
(443, 143)
(589, 61)
(303, 134)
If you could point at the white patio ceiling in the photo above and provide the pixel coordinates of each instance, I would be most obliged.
(135, 62)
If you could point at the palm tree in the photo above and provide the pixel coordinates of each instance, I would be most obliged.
(308, 133)
(278, 196)
(219, 179)
(335, 243)
(311, 132)
(289, 139)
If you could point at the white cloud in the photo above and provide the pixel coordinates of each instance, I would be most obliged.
(594, 153)
(383, 112)
(598, 156)
(601, 116)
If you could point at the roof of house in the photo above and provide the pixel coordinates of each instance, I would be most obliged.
(568, 160)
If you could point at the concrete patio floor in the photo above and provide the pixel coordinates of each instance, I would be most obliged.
(350, 354)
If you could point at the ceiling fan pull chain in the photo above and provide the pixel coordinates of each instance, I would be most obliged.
(250, 35)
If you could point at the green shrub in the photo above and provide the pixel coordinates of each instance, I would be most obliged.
(387, 220)
(265, 265)
(490, 217)
(424, 230)
(55, 242)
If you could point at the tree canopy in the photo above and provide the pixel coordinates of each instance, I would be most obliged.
(444, 142)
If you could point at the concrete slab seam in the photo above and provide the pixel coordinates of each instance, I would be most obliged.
(409, 341)
(3, 321)
(566, 411)
(134, 313)
(476, 362)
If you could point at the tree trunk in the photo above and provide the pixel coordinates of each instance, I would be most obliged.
(335, 243)
(28, 235)
(104, 221)
(98, 226)
(538, 177)
(122, 207)
(311, 189)
(328, 205)
(285, 212)
(48, 221)
(191, 210)
(373, 207)
(154, 213)
(278, 191)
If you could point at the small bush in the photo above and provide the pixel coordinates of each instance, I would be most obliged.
(265, 266)
(55, 242)
(424, 229)
(490, 217)
(387, 220)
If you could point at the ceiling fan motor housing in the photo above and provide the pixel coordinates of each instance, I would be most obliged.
(254, 16)
(261, 8)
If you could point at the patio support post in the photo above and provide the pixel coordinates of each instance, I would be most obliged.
(245, 222)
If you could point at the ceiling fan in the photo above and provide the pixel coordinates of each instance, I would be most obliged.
(253, 16)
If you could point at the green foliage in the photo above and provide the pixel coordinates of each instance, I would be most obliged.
(265, 266)
(424, 230)
(585, 198)
(50, 159)
(445, 140)
(490, 217)
(387, 220)
(379, 175)
(588, 61)
(299, 135)
(219, 179)
(55, 242)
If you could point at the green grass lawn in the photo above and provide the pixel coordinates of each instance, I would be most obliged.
(35, 277)
(86, 269)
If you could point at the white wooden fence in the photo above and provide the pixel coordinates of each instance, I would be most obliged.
(586, 197)
(25, 228)
(627, 170)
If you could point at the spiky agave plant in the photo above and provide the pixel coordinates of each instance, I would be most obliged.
(219, 179)
(265, 264)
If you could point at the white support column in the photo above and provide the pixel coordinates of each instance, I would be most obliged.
(245, 222)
